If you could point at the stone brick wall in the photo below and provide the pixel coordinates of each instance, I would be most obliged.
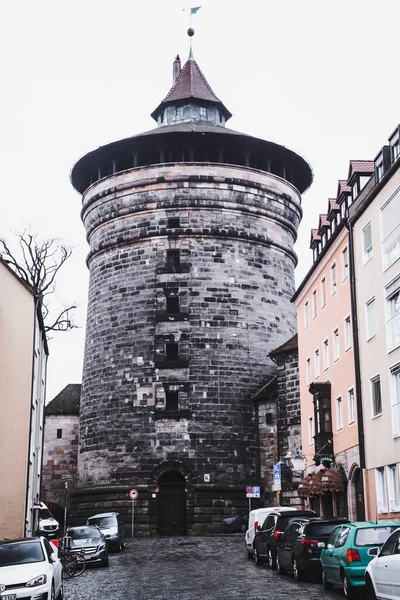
(60, 457)
(233, 278)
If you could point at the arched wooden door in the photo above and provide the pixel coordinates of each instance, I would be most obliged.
(172, 504)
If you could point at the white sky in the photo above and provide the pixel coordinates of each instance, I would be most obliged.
(318, 76)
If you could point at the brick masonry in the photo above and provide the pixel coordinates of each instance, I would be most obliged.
(230, 263)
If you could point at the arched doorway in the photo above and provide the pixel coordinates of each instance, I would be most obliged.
(172, 504)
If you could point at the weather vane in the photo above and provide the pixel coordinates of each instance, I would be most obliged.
(192, 11)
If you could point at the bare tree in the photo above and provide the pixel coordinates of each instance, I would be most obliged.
(38, 265)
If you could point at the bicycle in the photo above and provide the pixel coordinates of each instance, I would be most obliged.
(73, 563)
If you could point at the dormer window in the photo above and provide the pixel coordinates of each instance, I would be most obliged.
(323, 240)
(333, 225)
(343, 208)
(162, 117)
(179, 112)
(203, 112)
(379, 169)
(329, 234)
(396, 149)
(355, 190)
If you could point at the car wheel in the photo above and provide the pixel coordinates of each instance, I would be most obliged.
(347, 588)
(61, 592)
(297, 573)
(53, 592)
(271, 560)
(104, 562)
(123, 545)
(370, 588)
(257, 558)
(279, 568)
(327, 585)
(118, 548)
(249, 554)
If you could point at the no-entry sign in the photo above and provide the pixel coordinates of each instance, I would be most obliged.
(133, 494)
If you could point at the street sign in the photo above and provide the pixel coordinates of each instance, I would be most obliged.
(133, 494)
(253, 491)
(277, 478)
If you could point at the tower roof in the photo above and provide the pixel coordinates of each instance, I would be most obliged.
(191, 84)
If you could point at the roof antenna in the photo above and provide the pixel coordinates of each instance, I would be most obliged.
(192, 11)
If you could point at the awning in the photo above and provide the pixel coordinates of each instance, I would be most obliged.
(332, 481)
(316, 483)
(303, 491)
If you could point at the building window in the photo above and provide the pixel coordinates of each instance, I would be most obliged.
(367, 243)
(343, 208)
(173, 305)
(171, 400)
(393, 322)
(173, 222)
(308, 371)
(316, 363)
(347, 333)
(333, 279)
(370, 318)
(323, 239)
(395, 145)
(310, 431)
(306, 315)
(392, 473)
(326, 354)
(59, 434)
(351, 406)
(339, 413)
(172, 351)
(314, 304)
(390, 223)
(379, 169)
(336, 345)
(179, 112)
(173, 260)
(395, 396)
(203, 112)
(323, 292)
(381, 495)
(376, 398)
(269, 418)
(345, 264)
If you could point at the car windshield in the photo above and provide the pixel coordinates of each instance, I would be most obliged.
(45, 514)
(316, 530)
(372, 536)
(20, 553)
(284, 522)
(82, 533)
(103, 522)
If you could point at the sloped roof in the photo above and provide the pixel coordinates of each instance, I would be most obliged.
(315, 237)
(361, 166)
(332, 205)
(66, 402)
(323, 221)
(291, 344)
(191, 83)
(343, 187)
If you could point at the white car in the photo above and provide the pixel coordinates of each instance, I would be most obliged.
(256, 519)
(30, 569)
(383, 572)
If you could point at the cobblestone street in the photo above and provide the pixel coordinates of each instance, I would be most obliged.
(189, 568)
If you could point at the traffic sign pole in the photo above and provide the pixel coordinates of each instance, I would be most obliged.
(133, 495)
(133, 515)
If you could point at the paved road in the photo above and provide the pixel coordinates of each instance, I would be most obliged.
(189, 568)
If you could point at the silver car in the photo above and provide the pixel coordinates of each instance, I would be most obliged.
(89, 540)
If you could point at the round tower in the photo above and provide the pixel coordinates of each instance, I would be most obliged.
(191, 228)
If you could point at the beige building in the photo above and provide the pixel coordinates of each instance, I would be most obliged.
(375, 233)
(23, 359)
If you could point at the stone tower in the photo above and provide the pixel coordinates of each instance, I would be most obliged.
(191, 229)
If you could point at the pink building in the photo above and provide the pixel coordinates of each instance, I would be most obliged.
(329, 422)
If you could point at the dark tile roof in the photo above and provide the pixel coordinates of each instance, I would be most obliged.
(361, 166)
(332, 205)
(287, 347)
(323, 221)
(315, 237)
(343, 187)
(66, 402)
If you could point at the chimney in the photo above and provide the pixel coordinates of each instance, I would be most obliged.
(176, 69)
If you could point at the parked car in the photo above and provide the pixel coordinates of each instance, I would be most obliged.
(383, 572)
(297, 549)
(48, 526)
(236, 523)
(112, 527)
(89, 540)
(267, 536)
(34, 562)
(346, 553)
(256, 518)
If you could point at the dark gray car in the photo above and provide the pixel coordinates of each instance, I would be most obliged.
(90, 540)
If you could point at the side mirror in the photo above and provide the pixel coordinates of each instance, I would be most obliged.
(52, 557)
(321, 545)
(259, 528)
(373, 551)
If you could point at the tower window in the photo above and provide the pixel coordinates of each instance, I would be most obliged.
(173, 222)
(179, 112)
(59, 434)
(203, 112)
(173, 260)
(171, 400)
(173, 304)
(171, 351)
(269, 418)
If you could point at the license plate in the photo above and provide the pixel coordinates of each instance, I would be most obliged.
(9, 597)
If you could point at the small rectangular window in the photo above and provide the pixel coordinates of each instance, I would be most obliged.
(308, 371)
(314, 304)
(351, 406)
(173, 305)
(173, 260)
(345, 264)
(395, 399)
(381, 493)
(310, 431)
(339, 413)
(316, 363)
(333, 279)
(336, 345)
(203, 111)
(367, 243)
(323, 292)
(171, 400)
(390, 228)
(306, 315)
(269, 418)
(173, 222)
(348, 338)
(393, 320)
(326, 354)
(376, 397)
(392, 473)
(59, 434)
(370, 318)
(171, 351)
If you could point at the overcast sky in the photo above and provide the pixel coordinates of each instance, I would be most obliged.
(318, 76)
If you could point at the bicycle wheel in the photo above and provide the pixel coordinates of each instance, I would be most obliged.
(80, 564)
(69, 566)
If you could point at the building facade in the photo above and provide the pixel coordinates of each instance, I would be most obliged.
(191, 229)
(375, 232)
(329, 418)
(23, 361)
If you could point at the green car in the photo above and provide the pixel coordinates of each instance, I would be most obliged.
(345, 554)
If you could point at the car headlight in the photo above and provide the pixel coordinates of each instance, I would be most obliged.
(101, 546)
(39, 580)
